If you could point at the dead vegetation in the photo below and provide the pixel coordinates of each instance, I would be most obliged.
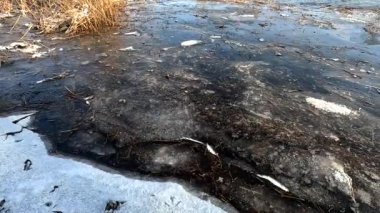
(71, 16)
(6, 6)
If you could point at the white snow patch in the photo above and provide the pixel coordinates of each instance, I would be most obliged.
(167, 48)
(330, 106)
(190, 43)
(21, 47)
(341, 179)
(215, 37)
(247, 16)
(81, 187)
(130, 48)
(340, 175)
(334, 137)
(334, 173)
(135, 33)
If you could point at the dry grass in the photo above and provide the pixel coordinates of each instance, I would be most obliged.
(6, 6)
(73, 16)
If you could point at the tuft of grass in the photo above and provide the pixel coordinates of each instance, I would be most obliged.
(6, 6)
(73, 16)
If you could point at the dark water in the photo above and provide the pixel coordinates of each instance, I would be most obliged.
(356, 3)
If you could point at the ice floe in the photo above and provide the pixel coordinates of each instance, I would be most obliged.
(53, 183)
(330, 106)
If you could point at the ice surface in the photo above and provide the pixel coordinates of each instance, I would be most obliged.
(81, 187)
(330, 107)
